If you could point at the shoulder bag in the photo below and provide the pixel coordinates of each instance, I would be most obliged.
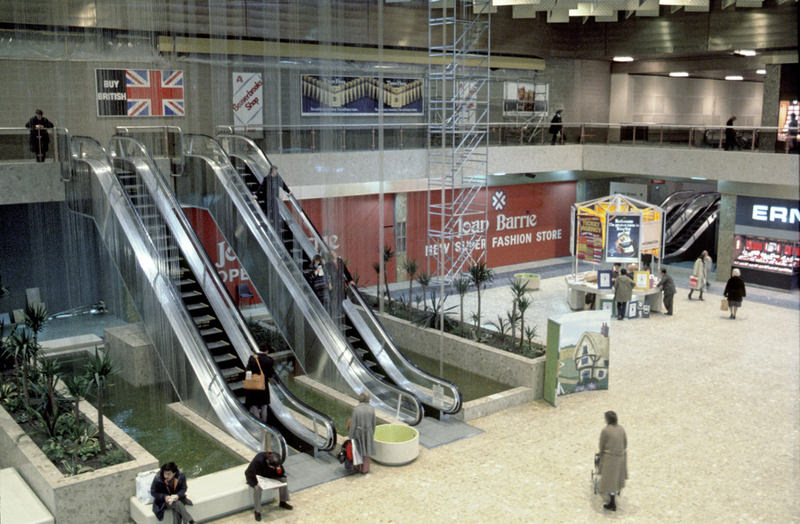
(256, 382)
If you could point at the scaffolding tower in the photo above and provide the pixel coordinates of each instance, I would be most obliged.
(458, 134)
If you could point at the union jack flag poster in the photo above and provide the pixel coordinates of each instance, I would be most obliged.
(140, 92)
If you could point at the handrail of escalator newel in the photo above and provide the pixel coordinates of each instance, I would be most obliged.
(311, 413)
(389, 343)
(257, 151)
(399, 391)
(175, 214)
(166, 128)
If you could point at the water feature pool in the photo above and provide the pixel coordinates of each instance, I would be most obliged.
(337, 411)
(142, 413)
(472, 385)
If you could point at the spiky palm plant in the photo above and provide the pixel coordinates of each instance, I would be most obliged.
(99, 369)
(481, 275)
(411, 267)
(461, 285)
(424, 280)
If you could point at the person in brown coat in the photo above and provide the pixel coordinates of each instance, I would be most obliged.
(623, 291)
(613, 459)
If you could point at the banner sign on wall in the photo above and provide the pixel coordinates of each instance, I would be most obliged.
(139, 92)
(248, 99)
(359, 95)
(768, 213)
(524, 98)
(590, 239)
(622, 238)
(577, 354)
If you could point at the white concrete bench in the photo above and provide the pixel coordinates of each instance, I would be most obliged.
(214, 496)
(18, 503)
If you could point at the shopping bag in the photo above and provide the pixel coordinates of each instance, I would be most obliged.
(693, 282)
(255, 382)
(723, 305)
(143, 482)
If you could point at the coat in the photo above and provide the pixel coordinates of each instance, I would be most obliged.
(555, 124)
(623, 288)
(253, 397)
(39, 136)
(362, 429)
(159, 489)
(699, 272)
(734, 289)
(613, 459)
(260, 466)
(667, 285)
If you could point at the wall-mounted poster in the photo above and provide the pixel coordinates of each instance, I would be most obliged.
(248, 100)
(139, 92)
(651, 236)
(360, 95)
(622, 238)
(577, 354)
(590, 239)
(604, 279)
(524, 98)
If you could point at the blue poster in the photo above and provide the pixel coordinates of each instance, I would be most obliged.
(360, 95)
(622, 238)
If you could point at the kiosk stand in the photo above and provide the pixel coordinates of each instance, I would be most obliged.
(615, 229)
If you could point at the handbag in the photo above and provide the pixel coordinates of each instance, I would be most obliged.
(723, 305)
(693, 282)
(256, 381)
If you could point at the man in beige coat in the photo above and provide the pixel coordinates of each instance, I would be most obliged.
(623, 291)
(613, 459)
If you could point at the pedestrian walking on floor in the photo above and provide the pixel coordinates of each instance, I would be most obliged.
(730, 135)
(735, 292)
(623, 290)
(267, 465)
(362, 433)
(791, 134)
(699, 273)
(708, 262)
(613, 460)
(169, 492)
(40, 138)
(556, 128)
(667, 286)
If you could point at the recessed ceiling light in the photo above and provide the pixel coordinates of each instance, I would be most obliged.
(745, 52)
(679, 74)
(623, 59)
(734, 77)
(761, 71)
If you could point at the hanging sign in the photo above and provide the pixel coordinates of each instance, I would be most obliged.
(622, 238)
(139, 92)
(360, 95)
(590, 239)
(248, 99)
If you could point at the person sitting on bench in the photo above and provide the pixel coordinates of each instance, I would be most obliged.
(266, 464)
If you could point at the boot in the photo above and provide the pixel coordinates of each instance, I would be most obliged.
(690, 293)
(701, 293)
(612, 505)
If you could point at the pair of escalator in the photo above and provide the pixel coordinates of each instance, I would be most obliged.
(691, 217)
(186, 310)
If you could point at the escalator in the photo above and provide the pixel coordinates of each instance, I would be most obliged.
(200, 338)
(211, 182)
(364, 334)
(691, 219)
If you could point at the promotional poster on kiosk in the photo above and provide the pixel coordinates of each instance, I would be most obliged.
(622, 238)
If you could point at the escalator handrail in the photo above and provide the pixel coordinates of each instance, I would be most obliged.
(304, 409)
(209, 280)
(266, 237)
(689, 241)
(696, 212)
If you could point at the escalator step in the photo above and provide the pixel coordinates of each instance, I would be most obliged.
(204, 320)
(361, 352)
(197, 306)
(236, 386)
(353, 340)
(218, 344)
(185, 282)
(207, 332)
(190, 294)
(231, 372)
(225, 358)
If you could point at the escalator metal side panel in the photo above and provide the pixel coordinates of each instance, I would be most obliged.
(194, 376)
(707, 222)
(315, 340)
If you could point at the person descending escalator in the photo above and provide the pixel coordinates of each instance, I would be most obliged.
(318, 279)
(257, 400)
(269, 193)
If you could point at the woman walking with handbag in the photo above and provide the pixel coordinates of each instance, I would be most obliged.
(734, 292)
(260, 367)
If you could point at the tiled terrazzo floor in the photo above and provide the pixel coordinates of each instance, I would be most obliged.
(710, 406)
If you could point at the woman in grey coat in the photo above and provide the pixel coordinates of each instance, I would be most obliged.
(362, 430)
(613, 459)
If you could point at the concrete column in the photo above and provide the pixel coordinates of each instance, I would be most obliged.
(770, 105)
(725, 233)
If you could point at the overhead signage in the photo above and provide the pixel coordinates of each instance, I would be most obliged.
(360, 95)
(768, 213)
(622, 237)
(139, 92)
(248, 100)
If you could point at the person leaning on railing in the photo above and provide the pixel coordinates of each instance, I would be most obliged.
(40, 138)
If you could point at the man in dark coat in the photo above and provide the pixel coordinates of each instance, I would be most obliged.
(362, 431)
(169, 492)
(555, 127)
(266, 464)
(623, 291)
(257, 402)
(39, 139)
(667, 286)
(730, 135)
(268, 195)
(734, 291)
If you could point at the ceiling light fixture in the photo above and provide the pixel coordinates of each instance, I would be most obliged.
(761, 71)
(679, 74)
(623, 59)
(734, 77)
(745, 52)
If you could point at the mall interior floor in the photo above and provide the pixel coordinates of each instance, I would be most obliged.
(710, 406)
